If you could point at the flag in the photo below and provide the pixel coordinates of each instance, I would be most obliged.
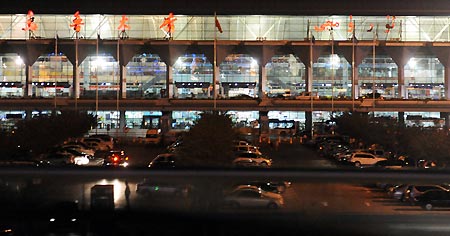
(218, 24)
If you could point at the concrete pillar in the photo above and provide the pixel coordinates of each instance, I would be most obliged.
(28, 83)
(122, 120)
(446, 117)
(123, 80)
(401, 117)
(262, 88)
(28, 114)
(402, 91)
(169, 83)
(76, 83)
(308, 121)
(166, 121)
(264, 131)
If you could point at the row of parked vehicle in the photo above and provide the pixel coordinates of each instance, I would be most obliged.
(245, 194)
(245, 155)
(427, 196)
(95, 150)
(250, 194)
(338, 149)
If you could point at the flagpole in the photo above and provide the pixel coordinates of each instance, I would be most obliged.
(56, 81)
(332, 72)
(309, 84)
(118, 89)
(373, 70)
(215, 62)
(96, 82)
(353, 67)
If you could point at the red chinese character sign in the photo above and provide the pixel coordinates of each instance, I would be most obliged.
(391, 23)
(77, 22)
(328, 25)
(169, 25)
(123, 27)
(30, 25)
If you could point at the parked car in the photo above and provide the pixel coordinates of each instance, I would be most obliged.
(434, 198)
(80, 148)
(398, 192)
(97, 144)
(391, 164)
(360, 159)
(247, 148)
(116, 158)
(252, 197)
(64, 157)
(307, 96)
(162, 189)
(105, 138)
(63, 216)
(164, 160)
(274, 187)
(251, 159)
(414, 191)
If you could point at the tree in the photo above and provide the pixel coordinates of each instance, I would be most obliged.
(415, 142)
(40, 133)
(209, 142)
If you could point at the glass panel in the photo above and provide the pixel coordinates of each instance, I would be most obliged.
(146, 77)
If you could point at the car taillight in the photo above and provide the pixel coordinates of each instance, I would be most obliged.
(115, 158)
(126, 158)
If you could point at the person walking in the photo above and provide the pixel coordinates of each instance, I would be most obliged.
(127, 194)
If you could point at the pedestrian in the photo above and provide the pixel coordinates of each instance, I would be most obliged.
(127, 194)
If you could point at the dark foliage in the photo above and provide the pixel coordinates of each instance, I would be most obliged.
(39, 133)
(209, 142)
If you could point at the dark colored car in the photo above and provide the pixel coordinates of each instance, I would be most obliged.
(63, 216)
(116, 158)
(391, 164)
(165, 160)
(434, 198)
(162, 189)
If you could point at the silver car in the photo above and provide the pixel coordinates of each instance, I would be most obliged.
(245, 196)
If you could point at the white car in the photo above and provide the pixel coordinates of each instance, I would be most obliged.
(251, 159)
(245, 196)
(359, 159)
(79, 148)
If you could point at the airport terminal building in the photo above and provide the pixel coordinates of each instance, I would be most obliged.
(272, 66)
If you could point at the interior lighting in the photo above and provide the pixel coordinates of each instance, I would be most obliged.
(19, 61)
(412, 63)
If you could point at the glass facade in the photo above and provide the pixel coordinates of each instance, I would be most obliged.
(378, 73)
(239, 76)
(193, 77)
(285, 76)
(237, 27)
(332, 76)
(424, 78)
(52, 75)
(145, 76)
(99, 77)
(12, 74)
